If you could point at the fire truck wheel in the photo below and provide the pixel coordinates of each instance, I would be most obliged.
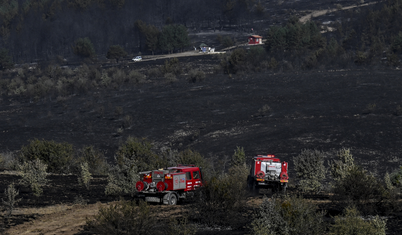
(173, 199)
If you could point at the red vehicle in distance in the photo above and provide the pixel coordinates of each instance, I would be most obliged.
(267, 171)
(170, 185)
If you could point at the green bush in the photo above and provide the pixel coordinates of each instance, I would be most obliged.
(341, 167)
(85, 177)
(122, 177)
(118, 76)
(172, 66)
(96, 161)
(116, 52)
(10, 193)
(288, 216)
(57, 156)
(141, 151)
(396, 178)
(33, 174)
(221, 201)
(256, 55)
(310, 170)
(235, 62)
(226, 41)
(352, 223)
(187, 156)
(136, 77)
(239, 157)
(83, 47)
(360, 189)
(123, 217)
(9, 160)
(5, 59)
(196, 75)
(180, 226)
(154, 73)
(268, 220)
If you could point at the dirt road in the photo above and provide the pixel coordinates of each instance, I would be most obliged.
(58, 219)
(323, 12)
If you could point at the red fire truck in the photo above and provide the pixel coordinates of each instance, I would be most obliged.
(169, 185)
(267, 171)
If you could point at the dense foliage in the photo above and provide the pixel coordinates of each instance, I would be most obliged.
(291, 215)
(57, 156)
(310, 170)
(42, 30)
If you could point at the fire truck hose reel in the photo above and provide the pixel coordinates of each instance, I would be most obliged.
(140, 186)
(161, 186)
(260, 174)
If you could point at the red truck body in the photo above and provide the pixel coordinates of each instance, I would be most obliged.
(267, 171)
(169, 185)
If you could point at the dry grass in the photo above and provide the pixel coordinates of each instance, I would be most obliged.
(57, 219)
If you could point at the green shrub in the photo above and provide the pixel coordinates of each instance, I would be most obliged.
(387, 181)
(273, 63)
(352, 223)
(57, 156)
(222, 199)
(256, 55)
(122, 177)
(341, 167)
(33, 175)
(226, 41)
(118, 76)
(136, 77)
(5, 60)
(188, 156)
(239, 157)
(180, 226)
(10, 193)
(236, 61)
(124, 217)
(141, 151)
(309, 166)
(291, 215)
(83, 47)
(85, 177)
(196, 75)
(116, 52)
(105, 79)
(170, 77)
(357, 188)
(96, 161)
(396, 178)
(9, 160)
(154, 73)
(172, 66)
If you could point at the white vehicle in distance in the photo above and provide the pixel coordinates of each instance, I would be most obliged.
(137, 58)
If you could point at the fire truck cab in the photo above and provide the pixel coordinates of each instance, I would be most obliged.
(169, 185)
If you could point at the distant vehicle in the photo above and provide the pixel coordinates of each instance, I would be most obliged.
(137, 58)
(268, 172)
(169, 185)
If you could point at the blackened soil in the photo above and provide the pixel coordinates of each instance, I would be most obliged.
(265, 113)
(278, 113)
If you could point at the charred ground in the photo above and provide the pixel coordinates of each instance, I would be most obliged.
(280, 113)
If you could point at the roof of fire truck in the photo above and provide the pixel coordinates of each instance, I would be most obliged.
(267, 158)
(184, 168)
